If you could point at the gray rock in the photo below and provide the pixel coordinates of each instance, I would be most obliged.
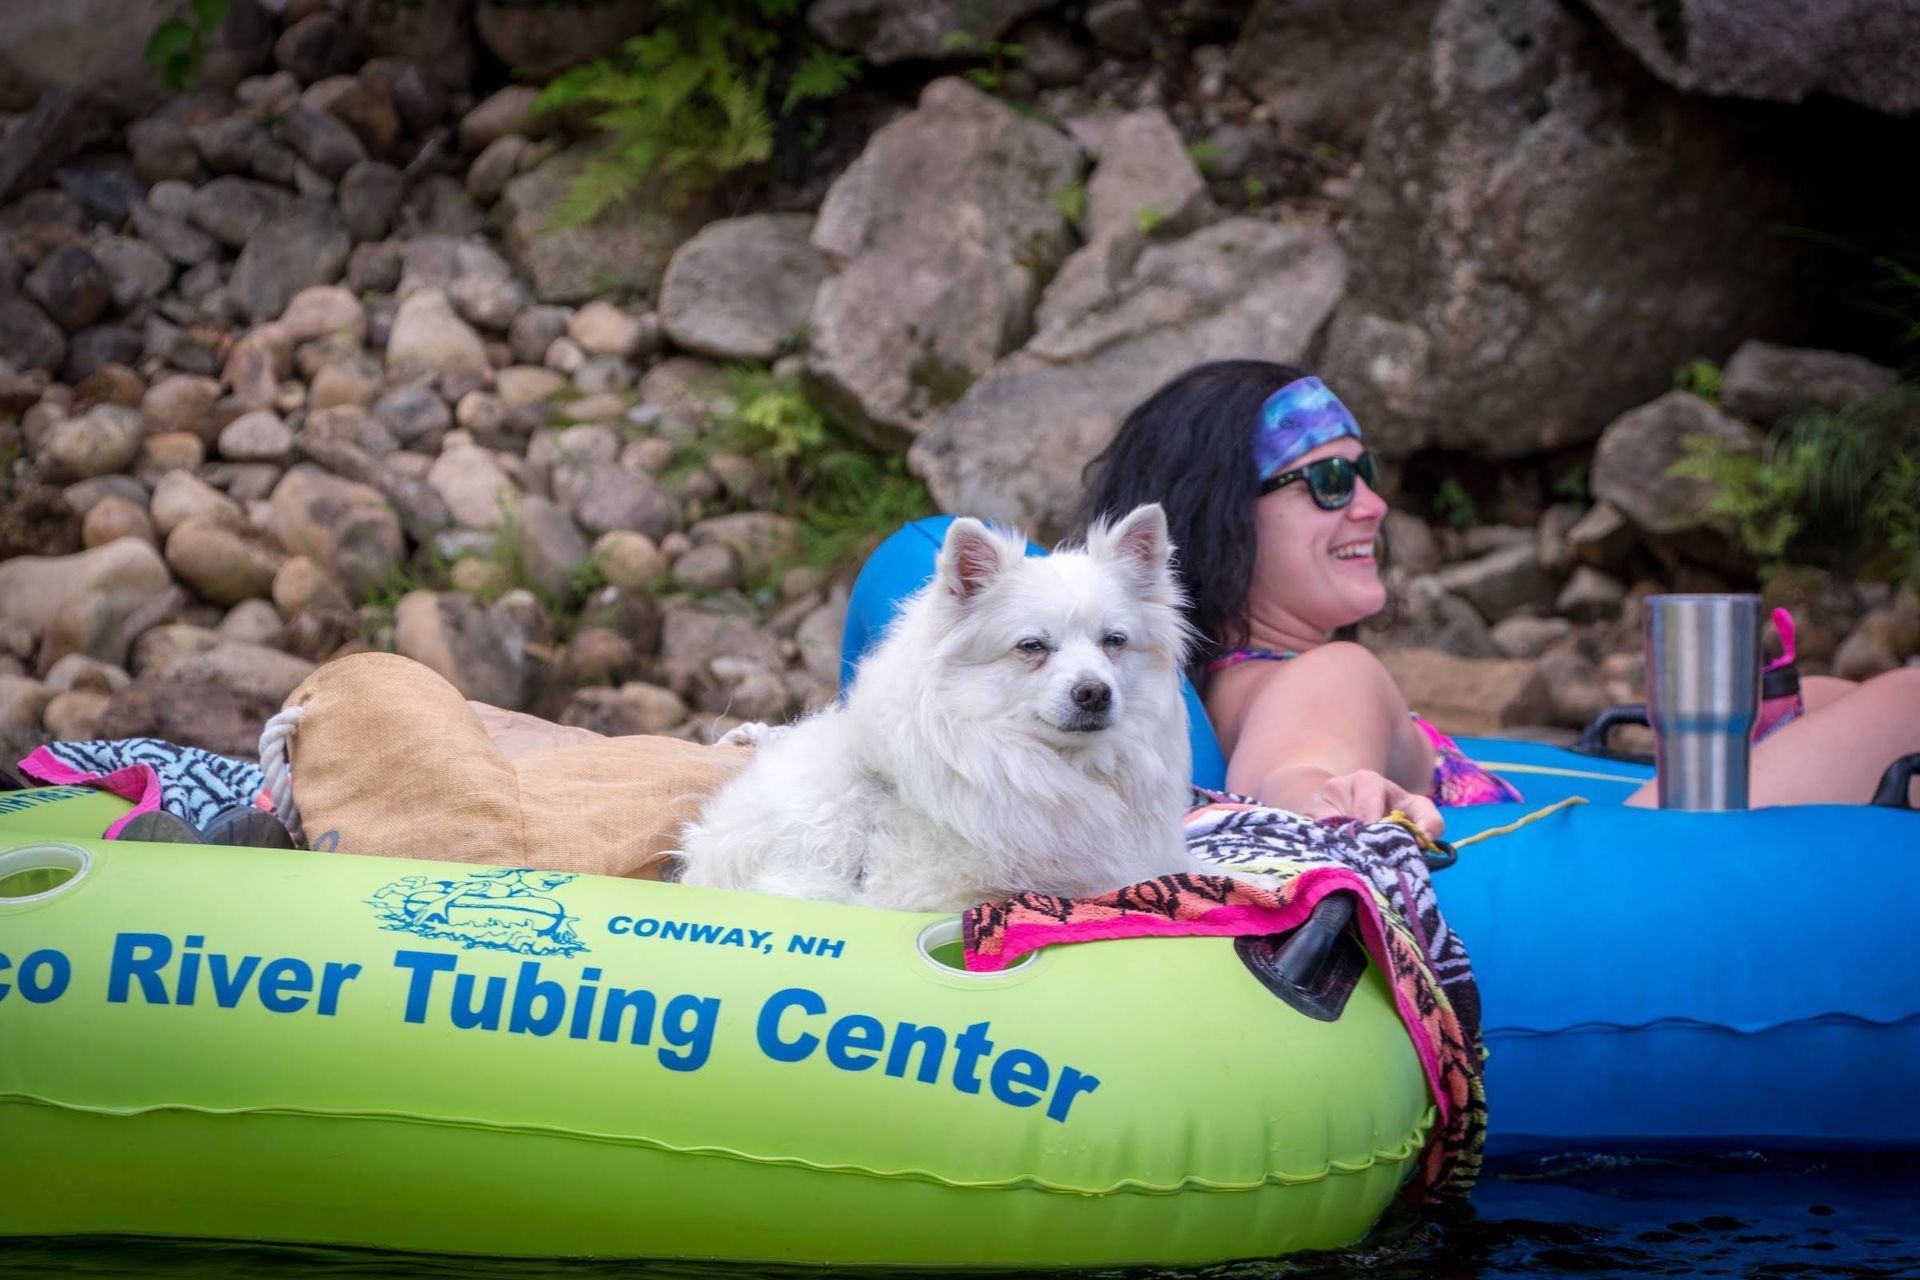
(228, 144)
(104, 439)
(1285, 48)
(317, 46)
(759, 540)
(488, 300)
(1014, 447)
(232, 209)
(627, 247)
(1765, 384)
(505, 112)
(1477, 302)
(713, 567)
(374, 268)
(941, 233)
(162, 149)
(416, 416)
(180, 496)
(1053, 57)
(743, 288)
(53, 130)
(323, 142)
(29, 339)
(427, 337)
(1637, 450)
(603, 375)
(326, 311)
(1145, 180)
(1122, 26)
(1522, 636)
(534, 45)
(490, 171)
(630, 709)
(477, 492)
(347, 527)
(1432, 617)
(1462, 695)
(92, 349)
(79, 603)
(259, 436)
(1602, 537)
(1501, 582)
(298, 249)
(888, 31)
(1776, 50)
(71, 287)
(1590, 595)
(550, 545)
(136, 271)
(534, 330)
(171, 235)
(478, 649)
(436, 261)
(370, 194)
(612, 498)
(252, 671)
(223, 562)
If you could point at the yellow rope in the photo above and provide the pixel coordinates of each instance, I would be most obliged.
(1512, 827)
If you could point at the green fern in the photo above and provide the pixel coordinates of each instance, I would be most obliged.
(687, 104)
(177, 48)
(1830, 484)
(1700, 378)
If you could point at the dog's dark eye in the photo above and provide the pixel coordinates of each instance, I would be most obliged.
(1032, 647)
(1114, 640)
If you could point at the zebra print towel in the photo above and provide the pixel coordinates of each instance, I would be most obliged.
(188, 782)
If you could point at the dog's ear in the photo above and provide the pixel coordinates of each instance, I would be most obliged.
(971, 559)
(1140, 543)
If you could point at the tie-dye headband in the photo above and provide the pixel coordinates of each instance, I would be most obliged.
(1298, 418)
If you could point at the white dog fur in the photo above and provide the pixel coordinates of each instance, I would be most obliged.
(961, 766)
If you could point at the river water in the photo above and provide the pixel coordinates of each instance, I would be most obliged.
(1744, 1215)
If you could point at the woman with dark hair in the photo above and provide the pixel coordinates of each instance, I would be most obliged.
(1273, 506)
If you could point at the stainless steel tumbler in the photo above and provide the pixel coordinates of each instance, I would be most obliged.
(1703, 695)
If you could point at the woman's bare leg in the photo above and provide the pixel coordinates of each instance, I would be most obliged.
(1836, 751)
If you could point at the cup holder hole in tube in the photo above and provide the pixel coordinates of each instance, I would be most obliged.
(30, 872)
(940, 945)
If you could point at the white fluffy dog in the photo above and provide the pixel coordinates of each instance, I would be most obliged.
(1020, 727)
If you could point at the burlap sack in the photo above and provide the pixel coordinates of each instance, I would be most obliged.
(389, 759)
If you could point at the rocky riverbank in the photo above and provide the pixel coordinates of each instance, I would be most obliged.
(304, 362)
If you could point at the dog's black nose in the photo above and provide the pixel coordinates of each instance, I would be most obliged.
(1092, 695)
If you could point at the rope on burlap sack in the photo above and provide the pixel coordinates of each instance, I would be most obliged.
(277, 763)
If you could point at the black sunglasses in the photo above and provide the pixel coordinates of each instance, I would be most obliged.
(1329, 480)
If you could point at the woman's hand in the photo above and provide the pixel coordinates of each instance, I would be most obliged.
(1369, 797)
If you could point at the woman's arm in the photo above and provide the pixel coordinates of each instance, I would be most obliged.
(1328, 734)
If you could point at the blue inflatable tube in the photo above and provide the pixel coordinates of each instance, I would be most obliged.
(1649, 980)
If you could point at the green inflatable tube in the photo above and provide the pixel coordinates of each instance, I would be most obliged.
(223, 1043)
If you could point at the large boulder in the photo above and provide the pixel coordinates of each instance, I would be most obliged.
(885, 31)
(1531, 199)
(743, 288)
(1145, 181)
(1324, 66)
(1765, 383)
(941, 235)
(1866, 51)
(1633, 462)
(1014, 447)
(537, 44)
(626, 247)
(92, 46)
(43, 594)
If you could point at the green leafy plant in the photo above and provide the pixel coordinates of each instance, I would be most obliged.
(1255, 190)
(1829, 484)
(1206, 155)
(177, 49)
(1453, 505)
(844, 493)
(999, 55)
(693, 100)
(1699, 378)
(1147, 218)
(1071, 201)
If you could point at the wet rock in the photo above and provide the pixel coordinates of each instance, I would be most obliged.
(477, 648)
(742, 288)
